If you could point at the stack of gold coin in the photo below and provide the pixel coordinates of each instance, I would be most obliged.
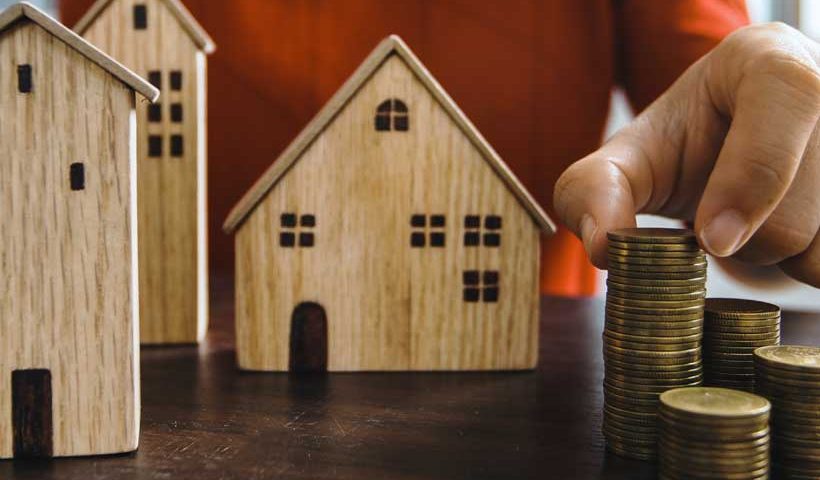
(710, 432)
(653, 332)
(732, 330)
(789, 376)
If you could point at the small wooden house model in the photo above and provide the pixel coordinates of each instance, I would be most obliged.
(161, 40)
(388, 236)
(69, 312)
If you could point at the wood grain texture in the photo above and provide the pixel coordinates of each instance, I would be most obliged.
(389, 306)
(392, 45)
(172, 207)
(68, 258)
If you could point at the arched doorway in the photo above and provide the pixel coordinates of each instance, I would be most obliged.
(308, 339)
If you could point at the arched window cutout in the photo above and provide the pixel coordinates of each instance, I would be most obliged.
(392, 115)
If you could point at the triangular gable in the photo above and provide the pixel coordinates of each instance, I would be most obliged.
(198, 34)
(30, 12)
(389, 46)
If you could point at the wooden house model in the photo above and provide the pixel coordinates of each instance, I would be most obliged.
(69, 313)
(160, 40)
(388, 236)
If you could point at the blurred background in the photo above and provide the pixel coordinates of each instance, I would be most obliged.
(544, 81)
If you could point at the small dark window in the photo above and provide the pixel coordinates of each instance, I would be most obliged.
(437, 239)
(480, 286)
(437, 220)
(492, 240)
(77, 175)
(418, 221)
(287, 239)
(417, 239)
(177, 148)
(305, 239)
(392, 115)
(155, 112)
(492, 222)
(155, 78)
(140, 17)
(288, 220)
(176, 80)
(24, 78)
(472, 221)
(176, 112)
(472, 239)
(308, 221)
(154, 146)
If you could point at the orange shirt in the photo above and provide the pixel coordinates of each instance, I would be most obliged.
(535, 76)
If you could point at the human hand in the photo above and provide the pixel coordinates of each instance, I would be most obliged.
(733, 145)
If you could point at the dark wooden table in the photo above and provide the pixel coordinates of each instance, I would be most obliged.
(202, 419)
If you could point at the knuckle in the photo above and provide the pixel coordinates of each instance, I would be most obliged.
(772, 167)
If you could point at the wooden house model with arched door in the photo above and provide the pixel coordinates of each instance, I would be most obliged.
(69, 309)
(388, 236)
(161, 40)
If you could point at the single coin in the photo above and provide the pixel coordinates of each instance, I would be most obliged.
(645, 429)
(652, 367)
(790, 357)
(767, 330)
(612, 249)
(644, 437)
(687, 320)
(694, 282)
(630, 396)
(655, 347)
(711, 465)
(644, 378)
(649, 388)
(665, 312)
(685, 473)
(630, 354)
(633, 407)
(748, 337)
(636, 260)
(656, 276)
(654, 247)
(687, 268)
(733, 356)
(655, 289)
(714, 402)
(736, 346)
(653, 235)
(657, 297)
(801, 384)
(649, 376)
(653, 339)
(654, 304)
(668, 333)
(741, 308)
(629, 451)
(725, 448)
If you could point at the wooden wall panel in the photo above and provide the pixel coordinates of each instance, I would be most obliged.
(389, 306)
(66, 256)
(172, 302)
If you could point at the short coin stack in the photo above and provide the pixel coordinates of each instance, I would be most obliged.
(789, 376)
(708, 432)
(732, 330)
(653, 332)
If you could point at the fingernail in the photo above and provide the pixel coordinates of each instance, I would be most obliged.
(588, 229)
(722, 236)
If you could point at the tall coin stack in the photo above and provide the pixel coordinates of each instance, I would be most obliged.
(732, 330)
(789, 376)
(653, 331)
(708, 432)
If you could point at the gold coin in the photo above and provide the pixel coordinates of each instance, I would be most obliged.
(632, 407)
(654, 247)
(710, 402)
(647, 438)
(653, 339)
(790, 357)
(661, 386)
(630, 414)
(612, 249)
(631, 354)
(728, 356)
(741, 308)
(655, 297)
(714, 450)
(694, 282)
(687, 320)
(670, 312)
(711, 465)
(731, 337)
(653, 235)
(683, 472)
(636, 260)
(725, 448)
(655, 333)
(655, 276)
(653, 289)
(768, 330)
(630, 451)
(654, 304)
(624, 396)
(652, 367)
(655, 347)
(638, 375)
(737, 346)
(801, 385)
(612, 421)
(787, 374)
(688, 268)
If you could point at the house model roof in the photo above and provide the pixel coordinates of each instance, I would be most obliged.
(30, 12)
(390, 46)
(188, 22)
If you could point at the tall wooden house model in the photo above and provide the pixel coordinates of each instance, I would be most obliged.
(388, 236)
(69, 313)
(160, 40)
